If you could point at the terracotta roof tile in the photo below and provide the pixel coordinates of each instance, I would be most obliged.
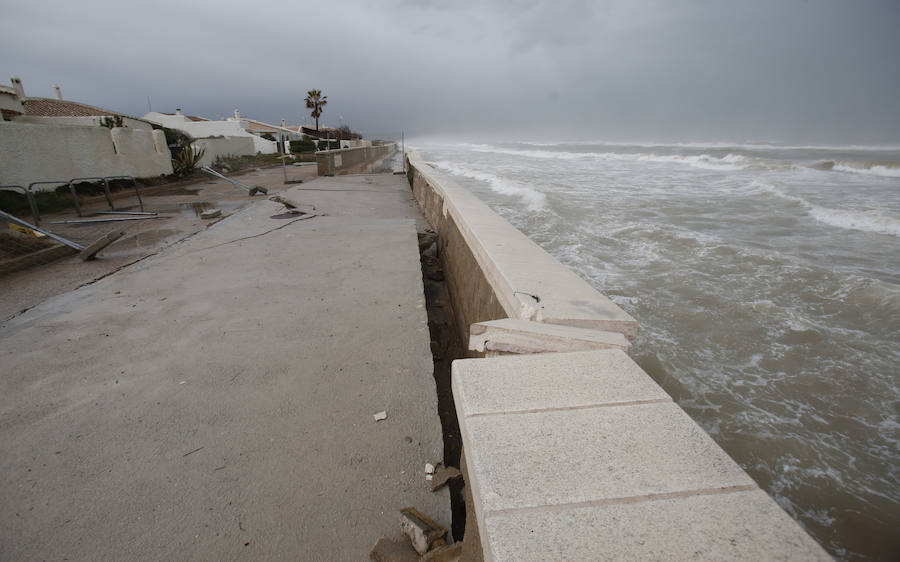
(45, 107)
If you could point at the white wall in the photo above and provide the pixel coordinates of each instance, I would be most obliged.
(91, 121)
(30, 152)
(204, 129)
(224, 146)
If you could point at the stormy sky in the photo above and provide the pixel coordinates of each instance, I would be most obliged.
(695, 70)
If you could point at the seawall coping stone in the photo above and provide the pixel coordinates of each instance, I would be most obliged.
(529, 283)
(558, 444)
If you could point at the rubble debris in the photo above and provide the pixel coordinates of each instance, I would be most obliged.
(211, 214)
(446, 553)
(380, 416)
(94, 248)
(284, 201)
(443, 475)
(424, 533)
(387, 550)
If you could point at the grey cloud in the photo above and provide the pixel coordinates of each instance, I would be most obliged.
(821, 70)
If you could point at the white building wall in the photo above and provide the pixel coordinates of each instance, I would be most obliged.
(205, 129)
(30, 153)
(224, 146)
(92, 121)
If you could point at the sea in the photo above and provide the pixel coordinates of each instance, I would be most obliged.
(766, 281)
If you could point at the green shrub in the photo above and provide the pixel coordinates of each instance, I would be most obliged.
(305, 145)
(187, 159)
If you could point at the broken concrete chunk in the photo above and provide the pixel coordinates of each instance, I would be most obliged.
(448, 553)
(442, 475)
(211, 214)
(380, 416)
(423, 532)
(513, 336)
(387, 550)
(94, 248)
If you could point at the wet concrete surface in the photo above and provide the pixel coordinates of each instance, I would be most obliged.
(178, 207)
(215, 401)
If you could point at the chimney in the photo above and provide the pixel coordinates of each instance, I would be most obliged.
(17, 85)
(57, 91)
(237, 114)
(178, 111)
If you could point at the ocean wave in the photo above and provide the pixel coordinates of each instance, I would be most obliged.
(883, 169)
(703, 161)
(533, 198)
(763, 145)
(869, 221)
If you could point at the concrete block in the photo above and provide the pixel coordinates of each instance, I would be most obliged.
(512, 336)
(448, 553)
(737, 526)
(387, 550)
(556, 380)
(94, 248)
(556, 457)
(423, 532)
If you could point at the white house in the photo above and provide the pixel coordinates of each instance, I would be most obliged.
(219, 138)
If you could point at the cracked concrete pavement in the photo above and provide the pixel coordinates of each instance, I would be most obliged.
(216, 400)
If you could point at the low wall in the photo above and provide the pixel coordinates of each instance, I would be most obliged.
(570, 450)
(30, 153)
(224, 146)
(359, 160)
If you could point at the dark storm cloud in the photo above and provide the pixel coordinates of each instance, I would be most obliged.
(821, 70)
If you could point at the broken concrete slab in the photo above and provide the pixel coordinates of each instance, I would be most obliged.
(211, 214)
(388, 550)
(443, 475)
(448, 553)
(94, 248)
(514, 336)
(423, 531)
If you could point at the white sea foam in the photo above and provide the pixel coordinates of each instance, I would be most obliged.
(869, 221)
(703, 161)
(873, 170)
(533, 198)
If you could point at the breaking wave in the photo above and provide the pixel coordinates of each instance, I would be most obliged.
(883, 169)
(533, 198)
(868, 221)
(704, 161)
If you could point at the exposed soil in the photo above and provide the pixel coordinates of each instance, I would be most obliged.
(445, 348)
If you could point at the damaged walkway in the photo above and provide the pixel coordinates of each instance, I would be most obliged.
(216, 401)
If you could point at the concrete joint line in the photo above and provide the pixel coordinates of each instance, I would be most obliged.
(565, 408)
(624, 500)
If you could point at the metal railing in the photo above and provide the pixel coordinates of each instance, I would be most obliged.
(106, 192)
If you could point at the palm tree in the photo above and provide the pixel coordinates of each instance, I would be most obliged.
(316, 101)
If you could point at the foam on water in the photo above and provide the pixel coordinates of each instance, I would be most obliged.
(530, 196)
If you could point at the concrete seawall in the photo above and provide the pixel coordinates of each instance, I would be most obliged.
(357, 160)
(577, 454)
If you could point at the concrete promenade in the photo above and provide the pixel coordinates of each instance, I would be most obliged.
(216, 401)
